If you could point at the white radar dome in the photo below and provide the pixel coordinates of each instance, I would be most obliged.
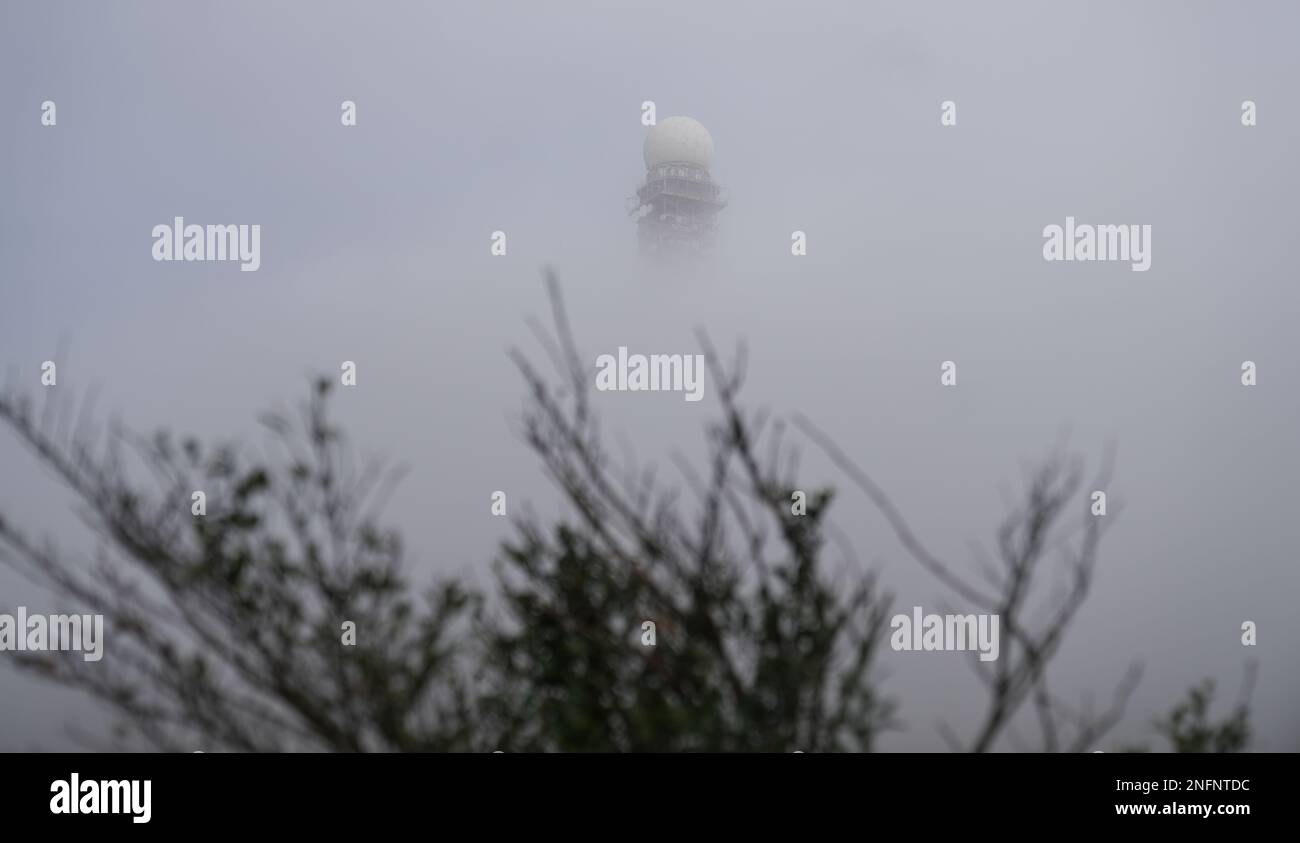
(676, 140)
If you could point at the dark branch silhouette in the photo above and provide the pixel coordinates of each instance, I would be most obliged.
(224, 629)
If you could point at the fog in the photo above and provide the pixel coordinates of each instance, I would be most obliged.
(924, 245)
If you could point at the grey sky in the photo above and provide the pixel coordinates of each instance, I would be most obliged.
(924, 246)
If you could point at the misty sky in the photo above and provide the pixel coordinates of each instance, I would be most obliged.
(924, 245)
